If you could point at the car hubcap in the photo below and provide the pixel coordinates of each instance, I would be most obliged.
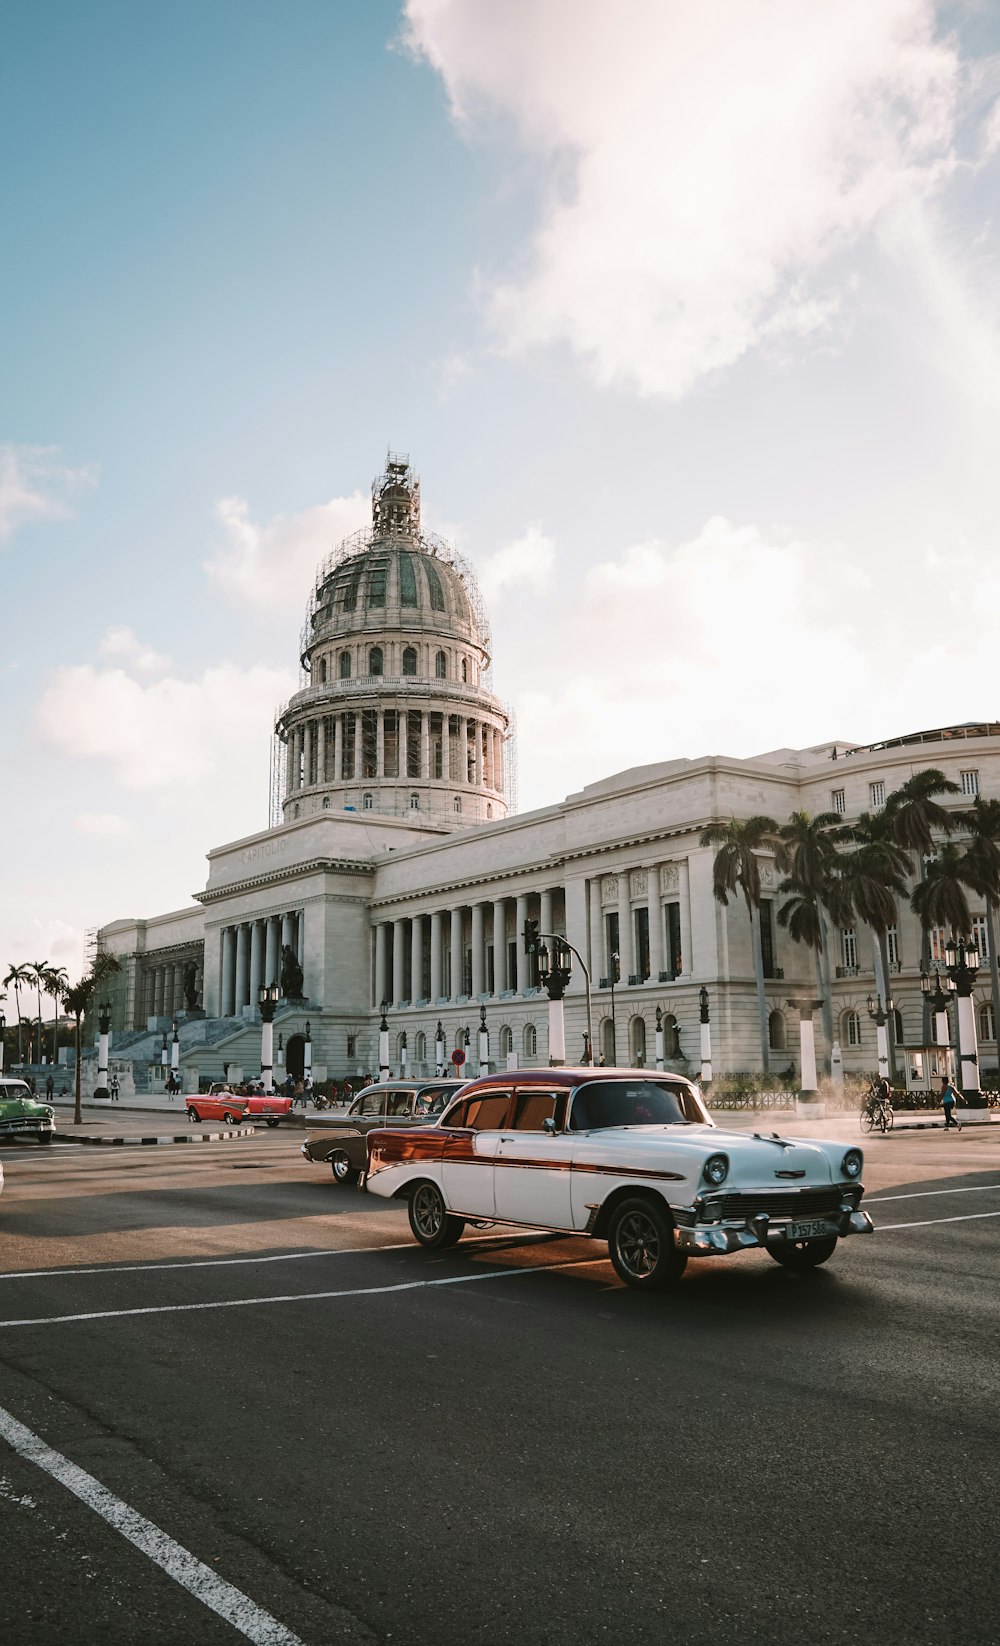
(638, 1244)
(340, 1165)
(427, 1212)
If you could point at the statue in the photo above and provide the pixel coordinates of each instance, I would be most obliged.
(291, 974)
(190, 984)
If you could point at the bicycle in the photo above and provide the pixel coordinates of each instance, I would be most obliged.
(876, 1111)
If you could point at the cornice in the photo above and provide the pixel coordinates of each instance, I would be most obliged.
(276, 877)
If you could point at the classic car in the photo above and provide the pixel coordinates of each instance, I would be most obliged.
(219, 1103)
(629, 1156)
(21, 1115)
(343, 1141)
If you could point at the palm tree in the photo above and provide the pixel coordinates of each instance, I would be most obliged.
(806, 853)
(56, 980)
(940, 899)
(78, 998)
(39, 971)
(865, 883)
(982, 859)
(914, 814)
(18, 977)
(736, 866)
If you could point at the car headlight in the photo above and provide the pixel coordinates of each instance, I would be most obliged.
(717, 1169)
(852, 1163)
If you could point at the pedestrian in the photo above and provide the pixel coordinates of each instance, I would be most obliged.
(307, 1090)
(299, 1094)
(949, 1098)
(114, 1088)
(49, 1087)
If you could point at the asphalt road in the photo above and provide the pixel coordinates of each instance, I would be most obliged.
(236, 1402)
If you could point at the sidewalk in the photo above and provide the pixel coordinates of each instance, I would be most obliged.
(152, 1118)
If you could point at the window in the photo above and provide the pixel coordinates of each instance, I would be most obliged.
(852, 1029)
(409, 661)
(345, 665)
(530, 1040)
(485, 1114)
(838, 802)
(675, 958)
(433, 584)
(414, 802)
(637, 1042)
(777, 1035)
(876, 795)
(322, 671)
(892, 945)
(407, 581)
(465, 672)
(352, 1045)
(506, 1040)
(634, 1103)
(897, 1026)
(366, 802)
(489, 809)
(457, 803)
(849, 948)
(937, 939)
(611, 939)
(531, 1109)
(376, 585)
(441, 666)
(642, 943)
(979, 937)
(375, 660)
(766, 913)
(970, 786)
(326, 802)
(420, 1046)
(987, 1030)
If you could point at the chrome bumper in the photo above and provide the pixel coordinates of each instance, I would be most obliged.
(711, 1239)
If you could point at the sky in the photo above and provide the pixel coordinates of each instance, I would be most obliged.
(686, 316)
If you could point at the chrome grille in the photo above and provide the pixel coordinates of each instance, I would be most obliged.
(784, 1203)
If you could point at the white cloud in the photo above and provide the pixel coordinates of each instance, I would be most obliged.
(104, 825)
(525, 563)
(272, 567)
(167, 732)
(707, 162)
(35, 486)
(123, 643)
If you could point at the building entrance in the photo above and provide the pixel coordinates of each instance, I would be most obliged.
(295, 1056)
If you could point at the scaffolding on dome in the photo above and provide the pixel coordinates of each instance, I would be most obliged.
(276, 783)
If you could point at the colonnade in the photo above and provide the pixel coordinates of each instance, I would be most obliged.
(163, 987)
(251, 955)
(423, 745)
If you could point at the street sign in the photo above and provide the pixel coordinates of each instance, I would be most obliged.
(458, 1058)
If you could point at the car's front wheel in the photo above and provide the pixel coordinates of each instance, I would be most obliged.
(340, 1166)
(193, 1114)
(801, 1254)
(642, 1246)
(229, 1120)
(432, 1224)
(45, 1137)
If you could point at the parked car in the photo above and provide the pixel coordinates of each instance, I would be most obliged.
(342, 1142)
(21, 1115)
(629, 1156)
(219, 1103)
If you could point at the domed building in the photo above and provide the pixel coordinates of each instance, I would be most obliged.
(396, 715)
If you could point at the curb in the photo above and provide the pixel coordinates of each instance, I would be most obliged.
(183, 1137)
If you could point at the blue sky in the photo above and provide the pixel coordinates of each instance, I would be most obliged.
(686, 317)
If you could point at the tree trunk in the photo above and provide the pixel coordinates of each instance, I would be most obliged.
(758, 972)
(78, 1111)
(825, 992)
(880, 946)
(991, 937)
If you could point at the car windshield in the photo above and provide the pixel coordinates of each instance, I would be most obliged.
(634, 1103)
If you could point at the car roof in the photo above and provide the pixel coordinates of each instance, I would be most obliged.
(409, 1085)
(580, 1075)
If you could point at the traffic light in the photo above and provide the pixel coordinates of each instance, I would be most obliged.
(531, 940)
(616, 968)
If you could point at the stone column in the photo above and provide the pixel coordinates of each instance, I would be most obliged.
(228, 1002)
(287, 932)
(500, 984)
(289, 762)
(357, 746)
(437, 981)
(272, 962)
(625, 926)
(479, 754)
(425, 745)
(321, 749)
(381, 972)
(338, 748)
(256, 959)
(522, 959)
(398, 973)
(416, 957)
(656, 965)
(300, 945)
(597, 966)
(242, 966)
(380, 743)
(158, 995)
(497, 761)
(478, 951)
(455, 939)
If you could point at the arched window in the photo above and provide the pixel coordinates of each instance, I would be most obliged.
(375, 660)
(460, 1040)
(345, 665)
(506, 1040)
(608, 1042)
(777, 1037)
(296, 809)
(987, 1028)
(414, 802)
(322, 671)
(400, 1048)
(433, 584)
(489, 808)
(409, 661)
(530, 1040)
(457, 803)
(326, 802)
(851, 1030)
(420, 1046)
(671, 1036)
(465, 671)
(441, 666)
(366, 803)
(637, 1042)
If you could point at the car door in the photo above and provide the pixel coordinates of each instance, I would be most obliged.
(531, 1178)
(467, 1166)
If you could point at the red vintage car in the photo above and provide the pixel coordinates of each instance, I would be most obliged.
(219, 1103)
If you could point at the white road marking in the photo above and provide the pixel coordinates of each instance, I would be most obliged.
(299, 1297)
(199, 1580)
(925, 1194)
(967, 1217)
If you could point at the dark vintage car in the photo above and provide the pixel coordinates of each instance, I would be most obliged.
(342, 1144)
(21, 1115)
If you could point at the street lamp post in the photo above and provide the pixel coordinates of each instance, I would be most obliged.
(3, 1027)
(402, 1055)
(879, 1015)
(962, 963)
(307, 1052)
(383, 1043)
(706, 1037)
(484, 1043)
(268, 995)
(587, 1054)
(165, 1054)
(616, 975)
(439, 1050)
(175, 1051)
(104, 1032)
(659, 1037)
(808, 1085)
(533, 945)
(938, 998)
(554, 979)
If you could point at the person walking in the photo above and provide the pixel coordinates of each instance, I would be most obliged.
(49, 1087)
(949, 1098)
(307, 1090)
(114, 1088)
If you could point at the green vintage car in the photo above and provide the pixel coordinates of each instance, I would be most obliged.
(21, 1116)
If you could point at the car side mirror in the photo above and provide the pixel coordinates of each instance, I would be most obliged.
(549, 1125)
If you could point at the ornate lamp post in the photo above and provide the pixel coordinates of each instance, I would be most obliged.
(879, 1015)
(402, 1054)
(706, 1036)
(962, 963)
(165, 1053)
(104, 1032)
(659, 1037)
(175, 1051)
(268, 995)
(938, 998)
(586, 1048)
(383, 1043)
(307, 1051)
(439, 1050)
(554, 979)
(616, 975)
(484, 1043)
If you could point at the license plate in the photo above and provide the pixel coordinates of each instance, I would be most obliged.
(812, 1229)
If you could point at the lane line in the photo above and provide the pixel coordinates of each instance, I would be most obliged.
(301, 1297)
(926, 1194)
(967, 1217)
(229, 1603)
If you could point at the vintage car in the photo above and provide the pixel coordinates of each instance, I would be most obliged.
(219, 1103)
(343, 1141)
(629, 1156)
(21, 1115)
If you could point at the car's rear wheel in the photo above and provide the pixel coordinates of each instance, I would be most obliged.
(432, 1224)
(193, 1114)
(272, 1123)
(642, 1246)
(801, 1254)
(340, 1166)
